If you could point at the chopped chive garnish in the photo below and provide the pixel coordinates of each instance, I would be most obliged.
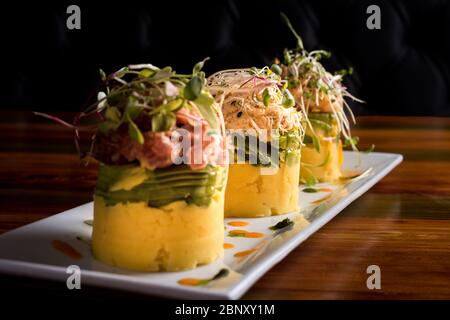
(310, 190)
(282, 224)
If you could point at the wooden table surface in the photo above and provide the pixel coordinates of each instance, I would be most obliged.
(402, 224)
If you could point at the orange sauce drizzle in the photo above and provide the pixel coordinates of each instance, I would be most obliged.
(191, 282)
(66, 249)
(244, 253)
(228, 245)
(324, 190)
(254, 235)
(237, 223)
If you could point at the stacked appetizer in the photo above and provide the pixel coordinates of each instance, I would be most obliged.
(158, 206)
(320, 96)
(159, 201)
(260, 115)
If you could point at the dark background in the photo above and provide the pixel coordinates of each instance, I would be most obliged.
(402, 69)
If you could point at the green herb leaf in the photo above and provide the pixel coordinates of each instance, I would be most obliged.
(202, 76)
(351, 142)
(134, 131)
(112, 114)
(322, 53)
(286, 21)
(119, 74)
(369, 150)
(283, 142)
(276, 69)
(102, 75)
(107, 125)
(89, 222)
(345, 72)
(316, 143)
(293, 71)
(321, 124)
(162, 75)
(132, 110)
(170, 120)
(307, 139)
(193, 88)
(282, 224)
(310, 190)
(84, 240)
(158, 122)
(287, 57)
(163, 121)
(266, 97)
(221, 274)
(199, 66)
(288, 100)
(253, 70)
(146, 73)
(173, 105)
(205, 104)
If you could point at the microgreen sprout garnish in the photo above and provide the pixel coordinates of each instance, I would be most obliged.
(315, 89)
(345, 72)
(372, 147)
(286, 21)
(276, 69)
(143, 98)
(266, 97)
(285, 223)
(353, 141)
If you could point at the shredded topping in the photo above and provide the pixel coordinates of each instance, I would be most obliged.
(255, 99)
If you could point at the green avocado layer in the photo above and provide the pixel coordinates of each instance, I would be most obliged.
(161, 186)
(289, 145)
(324, 124)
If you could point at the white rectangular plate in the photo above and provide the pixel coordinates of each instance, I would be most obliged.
(29, 251)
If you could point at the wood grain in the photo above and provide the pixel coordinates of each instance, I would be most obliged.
(402, 224)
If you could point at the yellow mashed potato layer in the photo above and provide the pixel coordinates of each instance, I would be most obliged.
(174, 237)
(251, 194)
(325, 165)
